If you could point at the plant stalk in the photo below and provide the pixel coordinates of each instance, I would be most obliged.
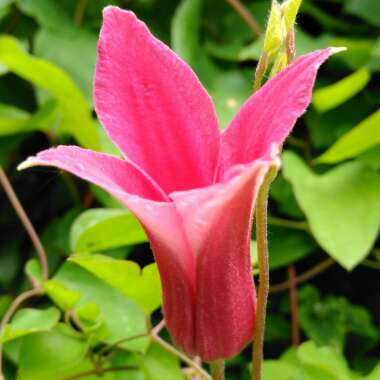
(262, 251)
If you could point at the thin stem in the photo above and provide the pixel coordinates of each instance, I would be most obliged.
(101, 372)
(294, 306)
(106, 349)
(20, 299)
(292, 224)
(26, 222)
(307, 275)
(168, 347)
(79, 11)
(262, 252)
(157, 329)
(217, 370)
(246, 15)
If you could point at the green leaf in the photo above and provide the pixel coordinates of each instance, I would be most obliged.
(332, 96)
(185, 37)
(29, 321)
(61, 295)
(51, 351)
(64, 48)
(5, 302)
(368, 10)
(228, 88)
(77, 117)
(33, 271)
(324, 362)
(281, 191)
(159, 364)
(48, 13)
(375, 374)
(121, 317)
(56, 236)
(326, 128)
(99, 229)
(229, 91)
(362, 137)
(142, 286)
(286, 247)
(358, 53)
(281, 370)
(328, 320)
(14, 120)
(77, 368)
(342, 207)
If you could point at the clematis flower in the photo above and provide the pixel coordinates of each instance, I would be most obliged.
(192, 188)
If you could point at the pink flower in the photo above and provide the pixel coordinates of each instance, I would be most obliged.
(192, 187)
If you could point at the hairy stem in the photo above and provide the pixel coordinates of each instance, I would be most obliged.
(217, 370)
(262, 252)
(26, 222)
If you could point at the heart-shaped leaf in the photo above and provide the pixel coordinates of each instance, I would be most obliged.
(142, 286)
(342, 206)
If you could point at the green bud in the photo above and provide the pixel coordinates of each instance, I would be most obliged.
(274, 32)
(289, 10)
(279, 64)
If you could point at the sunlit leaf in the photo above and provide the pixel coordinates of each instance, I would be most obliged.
(342, 207)
(362, 137)
(332, 96)
(323, 361)
(98, 229)
(142, 286)
(51, 351)
(29, 321)
(121, 317)
(160, 364)
(77, 117)
(14, 120)
(61, 295)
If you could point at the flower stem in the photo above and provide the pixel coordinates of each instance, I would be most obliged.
(25, 221)
(246, 15)
(217, 370)
(262, 251)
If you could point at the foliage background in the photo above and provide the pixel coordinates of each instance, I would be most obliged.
(324, 207)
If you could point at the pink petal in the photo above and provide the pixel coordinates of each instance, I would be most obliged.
(267, 118)
(153, 106)
(160, 220)
(109, 172)
(217, 221)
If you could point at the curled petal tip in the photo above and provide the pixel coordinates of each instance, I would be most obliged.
(337, 49)
(28, 163)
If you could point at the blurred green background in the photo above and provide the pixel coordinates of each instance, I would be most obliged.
(324, 206)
